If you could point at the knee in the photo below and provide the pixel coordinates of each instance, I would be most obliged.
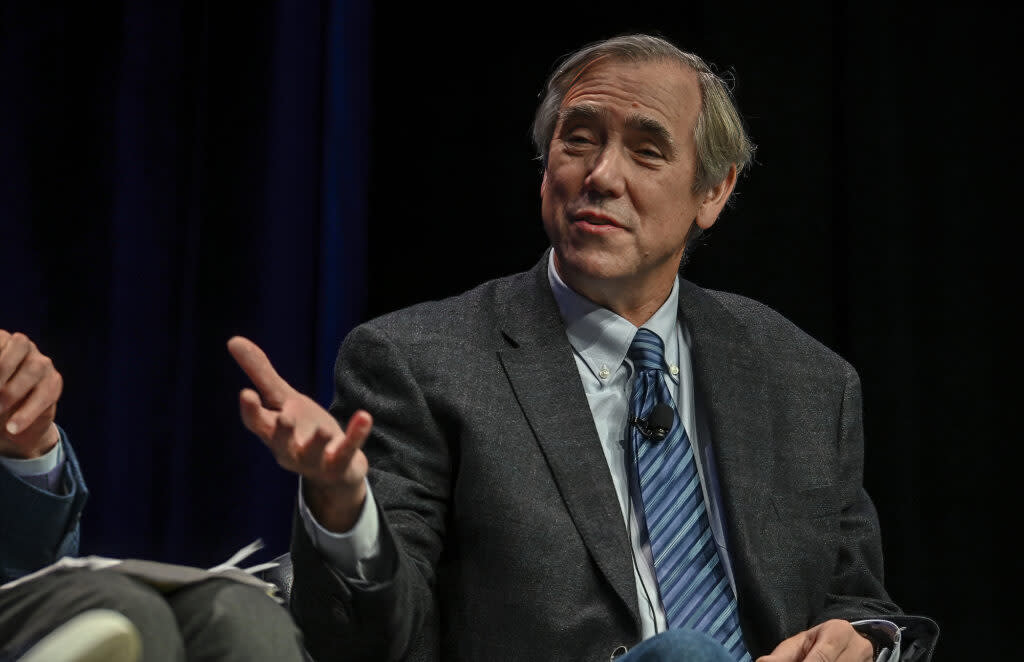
(113, 590)
(679, 644)
(239, 617)
(237, 607)
(143, 605)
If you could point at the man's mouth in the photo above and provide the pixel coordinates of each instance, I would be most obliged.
(595, 218)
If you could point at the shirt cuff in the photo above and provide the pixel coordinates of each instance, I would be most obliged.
(355, 554)
(44, 472)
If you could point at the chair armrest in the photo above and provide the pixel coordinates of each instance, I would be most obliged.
(282, 577)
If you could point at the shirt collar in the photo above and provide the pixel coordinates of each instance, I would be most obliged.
(602, 338)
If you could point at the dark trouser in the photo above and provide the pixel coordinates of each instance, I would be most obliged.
(217, 619)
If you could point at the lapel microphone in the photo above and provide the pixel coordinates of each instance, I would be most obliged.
(656, 426)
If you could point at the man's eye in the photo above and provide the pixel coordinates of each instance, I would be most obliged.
(649, 152)
(578, 138)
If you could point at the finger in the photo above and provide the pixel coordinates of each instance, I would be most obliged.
(38, 401)
(842, 647)
(787, 655)
(833, 652)
(307, 446)
(837, 640)
(339, 452)
(257, 366)
(292, 443)
(259, 420)
(789, 650)
(17, 348)
(283, 436)
(4, 336)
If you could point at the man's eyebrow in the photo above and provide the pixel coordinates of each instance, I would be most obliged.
(657, 130)
(583, 111)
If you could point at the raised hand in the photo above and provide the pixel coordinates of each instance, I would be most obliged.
(305, 439)
(29, 388)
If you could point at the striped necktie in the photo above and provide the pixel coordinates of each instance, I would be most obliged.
(694, 589)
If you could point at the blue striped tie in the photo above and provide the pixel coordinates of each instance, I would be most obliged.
(694, 589)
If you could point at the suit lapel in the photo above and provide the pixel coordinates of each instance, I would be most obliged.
(731, 388)
(543, 374)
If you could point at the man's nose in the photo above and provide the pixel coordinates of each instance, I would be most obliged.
(607, 175)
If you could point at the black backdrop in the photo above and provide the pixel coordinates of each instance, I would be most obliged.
(170, 177)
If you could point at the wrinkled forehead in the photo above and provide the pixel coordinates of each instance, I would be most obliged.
(663, 90)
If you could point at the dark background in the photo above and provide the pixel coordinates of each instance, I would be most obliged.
(172, 176)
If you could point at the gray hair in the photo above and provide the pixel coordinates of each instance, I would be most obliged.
(720, 136)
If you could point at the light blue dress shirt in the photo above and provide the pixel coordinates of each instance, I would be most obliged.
(44, 472)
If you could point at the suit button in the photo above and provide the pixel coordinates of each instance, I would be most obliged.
(618, 652)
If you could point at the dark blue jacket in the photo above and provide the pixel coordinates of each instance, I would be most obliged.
(38, 527)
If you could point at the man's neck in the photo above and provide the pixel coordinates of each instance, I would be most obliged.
(634, 302)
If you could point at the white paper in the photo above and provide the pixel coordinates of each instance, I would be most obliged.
(165, 576)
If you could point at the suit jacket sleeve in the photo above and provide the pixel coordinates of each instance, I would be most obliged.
(410, 477)
(857, 580)
(856, 590)
(38, 527)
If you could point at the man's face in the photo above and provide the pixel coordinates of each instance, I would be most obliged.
(617, 197)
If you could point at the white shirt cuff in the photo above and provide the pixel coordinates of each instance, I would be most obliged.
(355, 554)
(37, 466)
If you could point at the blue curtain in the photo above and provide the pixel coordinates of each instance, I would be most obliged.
(172, 174)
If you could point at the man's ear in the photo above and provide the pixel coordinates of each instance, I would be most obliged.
(544, 182)
(714, 199)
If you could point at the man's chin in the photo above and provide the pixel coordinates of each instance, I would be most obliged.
(578, 267)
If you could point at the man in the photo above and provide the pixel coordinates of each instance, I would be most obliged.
(525, 497)
(85, 615)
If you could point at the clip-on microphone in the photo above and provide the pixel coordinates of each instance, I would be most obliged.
(656, 426)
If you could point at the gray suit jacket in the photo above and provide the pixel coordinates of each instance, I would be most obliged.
(494, 489)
